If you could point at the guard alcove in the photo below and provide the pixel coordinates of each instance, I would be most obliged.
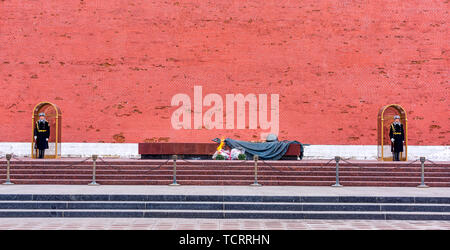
(385, 119)
(54, 118)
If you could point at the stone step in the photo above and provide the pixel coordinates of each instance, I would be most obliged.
(207, 172)
(232, 214)
(226, 182)
(201, 177)
(226, 198)
(227, 168)
(266, 206)
(61, 163)
(228, 164)
(19, 172)
(313, 163)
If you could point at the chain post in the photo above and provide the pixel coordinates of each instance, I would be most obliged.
(337, 159)
(174, 183)
(8, 167)
(422, 176)
(255, 183)
(94, 167)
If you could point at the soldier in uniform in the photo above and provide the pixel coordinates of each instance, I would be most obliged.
(41, 135)
(397, 136)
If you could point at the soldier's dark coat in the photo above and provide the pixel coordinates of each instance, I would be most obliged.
(42, 132)
(398, 134)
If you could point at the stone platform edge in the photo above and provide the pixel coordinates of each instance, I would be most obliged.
(222, 191)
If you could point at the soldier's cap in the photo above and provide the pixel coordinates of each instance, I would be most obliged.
(41, 114)
(396, 117)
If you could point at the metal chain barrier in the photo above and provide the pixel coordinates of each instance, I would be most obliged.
(422, 172)
(206, 164)
(332, 159)
(12, 156)
(421, 159)
(431, 162)
(101, 159)
(109, 165)
(346, 161)
(337, 159)
(273, 168)
(20, 160)
(411, 162)
(16, 157)
(70, 165)
(94, 158)
(76, 163)
(194, 163)
(162, 164)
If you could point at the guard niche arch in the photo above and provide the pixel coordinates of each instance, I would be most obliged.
(54, 117)
(385, 118)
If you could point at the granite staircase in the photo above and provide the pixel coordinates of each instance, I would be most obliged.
(225, 206)
(209, 172)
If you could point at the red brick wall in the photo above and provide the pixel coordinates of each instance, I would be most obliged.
(113, 66)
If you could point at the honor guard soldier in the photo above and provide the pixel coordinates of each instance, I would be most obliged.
(41, 135)
(397, 136)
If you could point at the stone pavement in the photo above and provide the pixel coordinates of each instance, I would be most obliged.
(212, 224)
(227, 190)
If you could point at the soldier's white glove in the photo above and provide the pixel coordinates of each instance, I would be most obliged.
(35, 137)
(46, 139)
(392, 140)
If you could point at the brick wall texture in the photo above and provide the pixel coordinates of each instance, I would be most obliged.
(113, 66)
